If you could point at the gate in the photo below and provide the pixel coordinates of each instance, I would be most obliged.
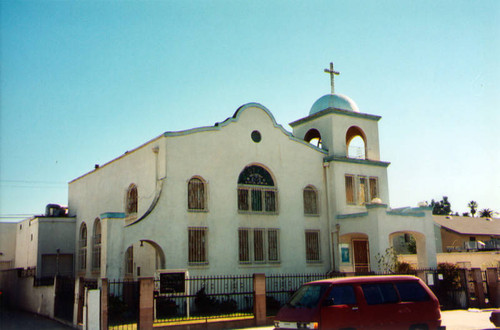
(64, 299)
(123, 304)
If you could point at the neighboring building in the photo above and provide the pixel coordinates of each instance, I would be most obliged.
(247, 196)
(7, 244)
(469, 234)
(45, 246)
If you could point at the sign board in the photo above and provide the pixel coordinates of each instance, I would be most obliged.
(172, 281)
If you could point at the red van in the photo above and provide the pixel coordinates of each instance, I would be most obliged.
(368, 302)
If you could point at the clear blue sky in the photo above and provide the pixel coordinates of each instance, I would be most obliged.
(84, 81)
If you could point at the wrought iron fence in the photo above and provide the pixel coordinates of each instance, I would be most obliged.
(279, 288)
(123, 304)
(203, 298)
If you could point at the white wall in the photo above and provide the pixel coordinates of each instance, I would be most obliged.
(7, 244)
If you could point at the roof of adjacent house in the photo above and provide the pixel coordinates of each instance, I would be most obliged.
(468, 225)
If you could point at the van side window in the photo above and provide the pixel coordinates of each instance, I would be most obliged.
(412, 291)
(342, 295)
(382, 293)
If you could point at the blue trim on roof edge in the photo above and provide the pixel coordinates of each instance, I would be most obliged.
(352, 215)
(235, 118)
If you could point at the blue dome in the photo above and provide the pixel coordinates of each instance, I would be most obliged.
(337, 101)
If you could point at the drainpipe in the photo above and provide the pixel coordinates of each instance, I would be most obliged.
(328, 216)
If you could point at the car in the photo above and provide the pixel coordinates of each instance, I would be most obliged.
(364, 302)
(495, 317)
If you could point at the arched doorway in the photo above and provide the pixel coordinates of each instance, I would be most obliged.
(143, 258)
(411, 246)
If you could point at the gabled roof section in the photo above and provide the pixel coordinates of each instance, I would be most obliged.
(469, 226)
(217, 126)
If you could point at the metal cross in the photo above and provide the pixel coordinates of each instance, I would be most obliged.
(332, 76)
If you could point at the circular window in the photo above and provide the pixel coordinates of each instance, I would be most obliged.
(256, 137)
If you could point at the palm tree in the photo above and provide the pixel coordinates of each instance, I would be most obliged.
(473, 207)
(486, 213)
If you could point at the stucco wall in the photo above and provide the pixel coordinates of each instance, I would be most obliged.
(7, 244)
(26, 243)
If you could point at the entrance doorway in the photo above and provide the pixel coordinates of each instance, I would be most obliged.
(361, 256)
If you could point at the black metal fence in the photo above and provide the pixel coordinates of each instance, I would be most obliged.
(123, 304)
(203, 298)
(279, 288)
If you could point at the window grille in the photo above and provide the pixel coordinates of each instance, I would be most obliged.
(129, 260)
(310, 200)
(256, 191)
(363, 191)
(273, 245)
(243, 239)
(349, 189)
(132, 199)
(312, 246)
(257, 199)
(197, 245)
(264, 243)
(82, 251)
(196, 194)
(258, 245)
(373, 188)
(96, 248)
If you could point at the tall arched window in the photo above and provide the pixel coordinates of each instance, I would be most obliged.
(82, 247)
(131, 203)
(310, 200)
(129, 260)
(96, 245)
(256, 191)
(196, 194)
(356, 143)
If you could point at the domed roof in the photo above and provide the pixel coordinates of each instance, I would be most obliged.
(337, 101)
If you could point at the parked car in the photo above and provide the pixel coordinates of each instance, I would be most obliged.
(369, 302)
(495, 317)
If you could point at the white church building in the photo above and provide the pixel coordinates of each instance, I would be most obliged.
(247, 196)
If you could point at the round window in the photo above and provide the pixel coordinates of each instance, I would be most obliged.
(256, 137)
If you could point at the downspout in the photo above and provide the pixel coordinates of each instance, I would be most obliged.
(331, 260)
(159, 186)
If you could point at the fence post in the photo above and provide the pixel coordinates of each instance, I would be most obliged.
(478, 286)
(259, 298)
(493, 287)
(146, 302)
(104, 303)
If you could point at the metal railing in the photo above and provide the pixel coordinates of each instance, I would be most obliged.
(205, 297)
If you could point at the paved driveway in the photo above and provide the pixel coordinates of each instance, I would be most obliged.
(13, 319)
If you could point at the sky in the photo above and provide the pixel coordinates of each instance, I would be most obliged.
(81, 82)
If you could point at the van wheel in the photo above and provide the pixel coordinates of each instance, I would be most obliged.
(419, 327)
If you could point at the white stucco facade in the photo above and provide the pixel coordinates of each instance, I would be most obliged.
(232, 233)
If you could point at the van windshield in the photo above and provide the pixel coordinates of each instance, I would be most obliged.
(308, 296)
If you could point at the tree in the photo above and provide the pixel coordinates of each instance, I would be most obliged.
(466, 214)
(473, 207)
(442, 207)
(486, 213)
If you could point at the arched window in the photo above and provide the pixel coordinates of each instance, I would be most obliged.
(256, 191)
(310, 200)
(82, 247)
(314, 137)
(129, 260)
(196, 195)
(356, 143)
(96, 245)
(131, 204)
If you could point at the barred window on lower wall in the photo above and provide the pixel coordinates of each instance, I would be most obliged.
(258, 245)
(197, 242)
(312, 246)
